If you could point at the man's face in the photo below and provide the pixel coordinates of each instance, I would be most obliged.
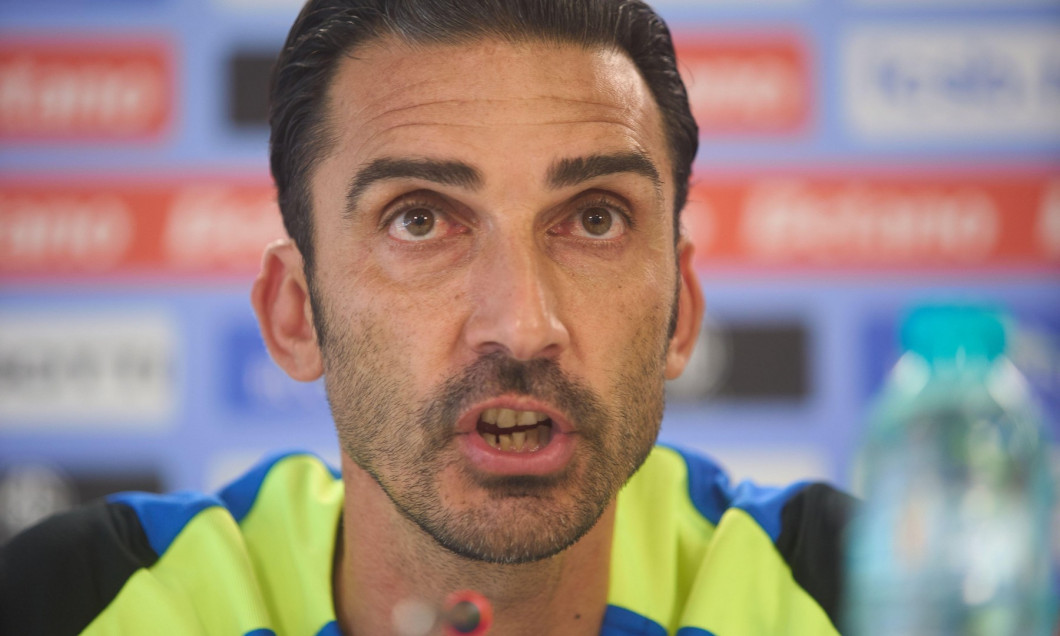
(494, 266)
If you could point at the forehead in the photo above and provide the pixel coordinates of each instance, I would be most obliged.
(527, 99)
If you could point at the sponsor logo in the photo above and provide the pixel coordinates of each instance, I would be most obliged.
(220, 226)
(952, 83)
(183, 227)
(1049, 220)
(90, 89)
(752, 84)
(90, 231)
(948, 222)
(85, 371)
(791, 219)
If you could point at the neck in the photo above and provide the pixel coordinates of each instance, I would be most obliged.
(390, 560)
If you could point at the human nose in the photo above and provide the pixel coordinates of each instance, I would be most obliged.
(515, 304)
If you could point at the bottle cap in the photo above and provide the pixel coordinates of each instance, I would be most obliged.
(944, 332)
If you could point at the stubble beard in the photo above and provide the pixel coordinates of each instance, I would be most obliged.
(406, 445)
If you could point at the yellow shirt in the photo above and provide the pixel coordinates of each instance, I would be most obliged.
(692, 555)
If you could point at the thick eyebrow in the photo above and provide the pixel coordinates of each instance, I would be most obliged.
(568, 172)
(452, 173)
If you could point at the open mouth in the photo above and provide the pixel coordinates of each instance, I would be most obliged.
(515, 431)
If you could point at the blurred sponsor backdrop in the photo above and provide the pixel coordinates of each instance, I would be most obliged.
(857, 157)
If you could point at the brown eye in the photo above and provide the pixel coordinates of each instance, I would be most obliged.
(418, 222)
(597, 221)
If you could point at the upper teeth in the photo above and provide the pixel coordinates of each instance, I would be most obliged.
(507, 418)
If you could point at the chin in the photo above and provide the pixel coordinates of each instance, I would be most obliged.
(522, 522)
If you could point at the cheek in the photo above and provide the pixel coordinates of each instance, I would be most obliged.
(626, 318)
(417, 323)
(400, 285)
(419, 268)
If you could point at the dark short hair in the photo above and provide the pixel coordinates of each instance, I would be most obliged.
(326, 29)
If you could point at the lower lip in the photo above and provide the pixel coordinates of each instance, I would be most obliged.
(550, 459)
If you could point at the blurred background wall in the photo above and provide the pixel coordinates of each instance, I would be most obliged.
(857, 157)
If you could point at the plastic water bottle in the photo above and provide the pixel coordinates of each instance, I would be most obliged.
(954, 536)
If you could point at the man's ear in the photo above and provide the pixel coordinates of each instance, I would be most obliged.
(689, 312)
(280, 297)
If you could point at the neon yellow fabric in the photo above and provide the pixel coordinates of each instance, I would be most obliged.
(292, 544)
(273, 571)
(659, 540)
(670, 564)
(203, 584)
(744, 587)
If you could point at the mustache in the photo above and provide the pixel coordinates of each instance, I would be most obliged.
(497, 373)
